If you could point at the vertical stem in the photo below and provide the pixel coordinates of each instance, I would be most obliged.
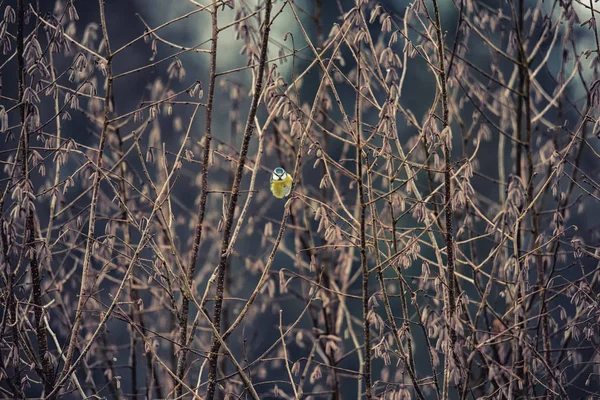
(235, 191)
(54, 198)
(322, 268)
(152, 379)
(36, 279)
(20, 61)
(363, 241)
(527, 179)
(133, 296)
(84, 291)
(183, 317)
(450, 282)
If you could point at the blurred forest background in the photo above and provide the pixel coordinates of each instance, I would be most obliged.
(440, 241)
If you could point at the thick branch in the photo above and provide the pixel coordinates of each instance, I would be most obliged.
(235, 190)
(183, 316)
(447, 138)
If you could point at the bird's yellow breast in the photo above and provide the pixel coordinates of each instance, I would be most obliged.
(282, 188)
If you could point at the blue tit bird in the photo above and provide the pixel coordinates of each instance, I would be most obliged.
(281, 183)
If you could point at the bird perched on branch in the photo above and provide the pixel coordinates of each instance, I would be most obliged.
(281, 183)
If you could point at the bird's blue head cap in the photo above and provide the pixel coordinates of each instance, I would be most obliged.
(278, 173)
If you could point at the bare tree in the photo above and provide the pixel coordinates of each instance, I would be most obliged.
(439, 240)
